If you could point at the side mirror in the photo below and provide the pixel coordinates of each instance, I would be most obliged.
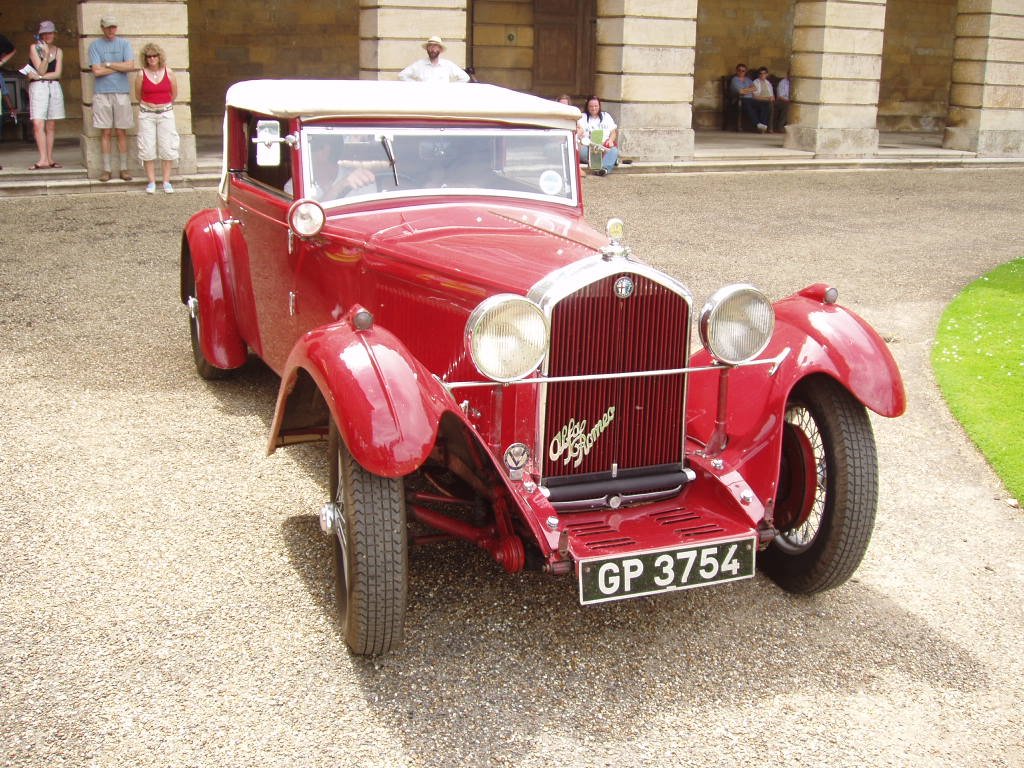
(268, 142)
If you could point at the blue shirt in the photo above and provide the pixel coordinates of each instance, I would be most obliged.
(739, 83)
(103, 50)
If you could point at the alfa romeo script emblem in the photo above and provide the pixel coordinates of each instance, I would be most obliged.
(573, 442)
(624, 287)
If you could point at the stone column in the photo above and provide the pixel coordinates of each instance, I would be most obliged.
(645, 56)
(836, 66)
(986, 99)
(164, 22)
(392, 33)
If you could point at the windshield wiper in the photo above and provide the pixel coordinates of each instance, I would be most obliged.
(390, 152)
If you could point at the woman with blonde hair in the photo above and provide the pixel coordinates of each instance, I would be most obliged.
(156, 89)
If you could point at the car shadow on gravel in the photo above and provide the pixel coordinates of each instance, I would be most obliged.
(509, 656)
(250, 390)
(516, 662)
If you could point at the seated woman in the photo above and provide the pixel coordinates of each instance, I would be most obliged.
(597, 119)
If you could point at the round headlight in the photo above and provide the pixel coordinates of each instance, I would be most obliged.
(306, 217)
(737, 323)
(507, 337)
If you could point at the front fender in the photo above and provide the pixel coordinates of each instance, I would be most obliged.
(822, 339)
(387, 406)
(203, 251)
(831, 339)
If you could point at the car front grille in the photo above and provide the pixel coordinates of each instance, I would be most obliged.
(601, 427)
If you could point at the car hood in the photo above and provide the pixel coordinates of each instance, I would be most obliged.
(498, 247)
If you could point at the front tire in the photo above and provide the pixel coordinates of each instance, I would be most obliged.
(370, 553)
(827, 492)
(204, 367)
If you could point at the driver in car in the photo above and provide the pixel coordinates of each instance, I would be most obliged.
(332, 178)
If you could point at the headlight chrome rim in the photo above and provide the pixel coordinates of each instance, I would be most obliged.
(507, 337)
(306, 217)
(737, 323)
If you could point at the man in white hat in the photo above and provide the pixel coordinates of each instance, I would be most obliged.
(434, 69)
(111, 59)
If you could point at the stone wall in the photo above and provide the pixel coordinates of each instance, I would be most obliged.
(231, 41)
(19, 22)
(502, 42)
(917, 60)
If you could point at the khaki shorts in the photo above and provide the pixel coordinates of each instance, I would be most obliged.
(158, 136)
(112, 110)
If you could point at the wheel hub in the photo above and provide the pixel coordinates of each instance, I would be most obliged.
(330, 514)
(799, 479)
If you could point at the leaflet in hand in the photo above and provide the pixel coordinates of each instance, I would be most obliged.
(27, 70)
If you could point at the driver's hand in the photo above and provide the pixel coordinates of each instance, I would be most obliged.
(360, 177)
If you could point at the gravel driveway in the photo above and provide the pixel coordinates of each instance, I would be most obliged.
(165, 593)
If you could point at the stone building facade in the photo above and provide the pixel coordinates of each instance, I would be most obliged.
(954, 67)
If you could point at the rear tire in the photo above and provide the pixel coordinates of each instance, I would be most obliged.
(827, 492)
(370, 553)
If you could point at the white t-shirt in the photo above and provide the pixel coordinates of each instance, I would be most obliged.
(443, 71)
(604, 120)
(763, 89)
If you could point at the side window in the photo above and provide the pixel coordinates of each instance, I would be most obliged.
(275, 176)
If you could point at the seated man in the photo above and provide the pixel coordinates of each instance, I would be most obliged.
(742, 87)
(782, 104)
(764, 99)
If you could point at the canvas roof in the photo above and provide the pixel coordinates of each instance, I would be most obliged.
(389, 98)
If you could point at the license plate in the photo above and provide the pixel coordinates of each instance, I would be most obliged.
(665, 570)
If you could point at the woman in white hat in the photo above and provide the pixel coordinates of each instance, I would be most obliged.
(434, 69)
(46, 99)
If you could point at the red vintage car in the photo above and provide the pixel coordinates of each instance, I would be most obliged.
(414, 263)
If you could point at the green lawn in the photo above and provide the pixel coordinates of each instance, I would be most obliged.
(979, 362)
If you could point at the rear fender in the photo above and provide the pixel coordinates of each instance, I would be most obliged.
(203, 251)
(822, 340)
(387, 406)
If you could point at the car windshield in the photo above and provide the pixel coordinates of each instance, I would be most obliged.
(345, 164)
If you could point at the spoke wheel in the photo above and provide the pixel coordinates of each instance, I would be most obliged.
(370, 553)
(204, 367)
(827, 491)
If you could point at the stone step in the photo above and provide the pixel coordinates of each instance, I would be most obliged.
(21, 187)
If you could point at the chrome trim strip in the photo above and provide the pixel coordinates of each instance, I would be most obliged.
(566, 281)
(626, 499)
(773, 361)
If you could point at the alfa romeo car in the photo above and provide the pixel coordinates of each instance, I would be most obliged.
(481, 364)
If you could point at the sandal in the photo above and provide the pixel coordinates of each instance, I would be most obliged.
(38, 167)
(56, 165)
